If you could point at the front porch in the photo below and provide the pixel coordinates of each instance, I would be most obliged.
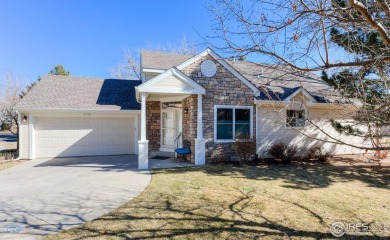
(171, 114)
(170, 162)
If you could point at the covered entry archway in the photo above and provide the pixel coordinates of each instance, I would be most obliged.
(172, 85)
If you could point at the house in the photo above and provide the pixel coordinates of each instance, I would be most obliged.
(205, 98)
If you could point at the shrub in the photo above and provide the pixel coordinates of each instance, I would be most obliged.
(283, 152)
(7, 155)
(245, 148)
(318, 153)
(382, 154)
(222, 157)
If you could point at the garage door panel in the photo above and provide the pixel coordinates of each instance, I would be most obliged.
(56, 141)
(81, 149)
(56, 150)
(71, 134)
(44, 133)
(92, 149)
(93, 123)
(91, 139)
(62, 137)
(68, 125)
(117, 141)
(117, 149)
(130, 129)
(70, 141)
(82, 133)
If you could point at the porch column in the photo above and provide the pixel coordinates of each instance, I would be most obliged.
(143, 148)
(200, 143)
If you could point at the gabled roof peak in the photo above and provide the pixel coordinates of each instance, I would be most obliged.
(161, 60)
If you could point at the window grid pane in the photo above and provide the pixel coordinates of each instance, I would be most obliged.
(224, 124)
(300, 118)
(295, 118)
(242, 115)
(233, 123)
(242, 130)
(224, 115)
(225, 131)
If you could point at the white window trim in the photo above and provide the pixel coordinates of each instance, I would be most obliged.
(216, 107)
(285, 117)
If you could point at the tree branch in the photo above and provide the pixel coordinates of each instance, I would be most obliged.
(377, 25)
(385, 7)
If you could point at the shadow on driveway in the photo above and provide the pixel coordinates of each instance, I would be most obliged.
(102, 163)
(43, 196)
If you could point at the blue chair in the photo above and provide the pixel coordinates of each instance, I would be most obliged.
(185, 150)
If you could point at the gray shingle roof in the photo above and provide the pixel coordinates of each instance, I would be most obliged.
(160, 60)
(60, 92)
(274, 82)
(279, 82)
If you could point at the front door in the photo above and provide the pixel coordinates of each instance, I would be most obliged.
(168, 128)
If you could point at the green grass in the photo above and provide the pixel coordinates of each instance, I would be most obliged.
(269, 202)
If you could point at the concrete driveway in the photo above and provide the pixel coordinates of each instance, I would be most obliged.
(44, 196)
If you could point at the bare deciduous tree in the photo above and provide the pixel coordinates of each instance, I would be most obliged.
(347, 38)
(9, 97)
(130, 67)
(296, 32)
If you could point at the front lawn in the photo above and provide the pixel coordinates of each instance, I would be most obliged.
(6, 159)
(8, 145)
(271, 202)
(7, 164)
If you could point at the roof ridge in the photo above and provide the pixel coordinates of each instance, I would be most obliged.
(170, 53)
(88, 77)
(256, 63)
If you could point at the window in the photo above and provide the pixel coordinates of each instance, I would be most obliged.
(243, 122)
(224, 124)
(295, 118)
(232, 122)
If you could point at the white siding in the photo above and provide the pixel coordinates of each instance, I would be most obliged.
(272, 129)
(23, 141)
(171, 82)
(149, 76)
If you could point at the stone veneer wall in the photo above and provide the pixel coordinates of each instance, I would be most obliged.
(153, 118)
(222, 89)
(189, 122)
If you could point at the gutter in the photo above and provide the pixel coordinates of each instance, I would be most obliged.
(308, 104)
(76, 110)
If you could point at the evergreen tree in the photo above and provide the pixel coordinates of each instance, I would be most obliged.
(368, 84)
(59, 70)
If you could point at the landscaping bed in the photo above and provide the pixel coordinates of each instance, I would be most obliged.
(4, 164)
(7, 159)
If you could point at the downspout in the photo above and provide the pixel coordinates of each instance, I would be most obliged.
(136, 95)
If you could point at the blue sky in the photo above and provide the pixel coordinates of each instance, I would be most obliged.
(88, 37)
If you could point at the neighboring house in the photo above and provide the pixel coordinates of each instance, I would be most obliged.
(206, 98)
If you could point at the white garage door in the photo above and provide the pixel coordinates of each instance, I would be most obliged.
(66, 137)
